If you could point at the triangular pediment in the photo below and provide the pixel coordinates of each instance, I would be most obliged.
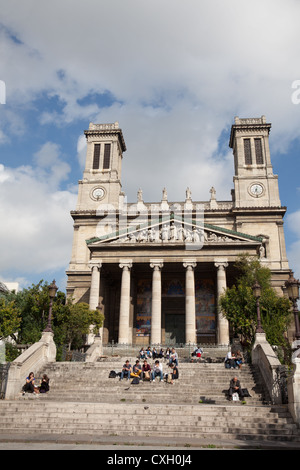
(173, 230)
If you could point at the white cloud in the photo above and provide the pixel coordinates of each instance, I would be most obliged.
(178, 72)
(179, 78)
(293, 224)
(36, 227)
(81, 150)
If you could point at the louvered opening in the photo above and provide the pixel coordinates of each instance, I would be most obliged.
(96, 161)
(247, 150)
(258, 151)
(106, 160)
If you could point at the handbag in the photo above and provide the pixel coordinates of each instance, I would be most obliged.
(147, 375)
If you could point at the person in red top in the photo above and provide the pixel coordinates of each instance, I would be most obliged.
(146, 370)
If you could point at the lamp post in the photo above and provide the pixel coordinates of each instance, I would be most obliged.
(292, 286)
(257, 293)
(52, 293)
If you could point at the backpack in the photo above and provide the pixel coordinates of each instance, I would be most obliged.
(112, 374)
(135, 381)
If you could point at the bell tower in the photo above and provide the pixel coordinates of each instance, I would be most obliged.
(255, 185)
(101, 181)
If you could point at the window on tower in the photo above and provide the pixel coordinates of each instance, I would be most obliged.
(96, 160)
(106, 159)
(258, 152)
(247, 151)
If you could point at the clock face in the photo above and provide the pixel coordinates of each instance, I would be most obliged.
(256, 189)
(98, 193)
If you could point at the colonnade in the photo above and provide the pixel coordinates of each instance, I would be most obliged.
(156, 314)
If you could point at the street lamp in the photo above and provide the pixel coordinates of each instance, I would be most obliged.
(52, 289)
(292, 286)
(257, 293)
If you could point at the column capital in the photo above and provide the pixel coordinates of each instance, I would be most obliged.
(95, 264)
(221, 264)
(156, 264)
(125, 263)
(189, 263)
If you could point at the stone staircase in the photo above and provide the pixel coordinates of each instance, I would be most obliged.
(84, 401)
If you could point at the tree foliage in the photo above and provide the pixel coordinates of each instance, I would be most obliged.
(239, 305)
(73, 321)
(24, 316)
(10, 318)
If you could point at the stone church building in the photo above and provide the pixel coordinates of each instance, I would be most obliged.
(157, 270)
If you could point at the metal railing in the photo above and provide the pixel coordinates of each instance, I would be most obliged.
(72, 356)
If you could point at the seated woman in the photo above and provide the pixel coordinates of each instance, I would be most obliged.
(44, 387)
(239, 359)
(30, 384)
(175, 372)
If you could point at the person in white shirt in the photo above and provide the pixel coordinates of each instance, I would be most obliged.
(157, 370)
(173, 357)
(230, 361)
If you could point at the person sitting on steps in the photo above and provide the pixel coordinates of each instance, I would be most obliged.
(235, 387)
(173, 357)
(146, 370)
(239, 359)
(137, 369)
(126, 370)
(175, 372)
(30, 384)
(230, 361)
(44, 387)
(157, 371)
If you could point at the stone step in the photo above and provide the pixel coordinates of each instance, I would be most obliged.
(197, 383)
(106, 398)
(83, 400)
(77, 420)
(112, 415)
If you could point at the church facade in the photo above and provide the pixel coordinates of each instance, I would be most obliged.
(157, 270)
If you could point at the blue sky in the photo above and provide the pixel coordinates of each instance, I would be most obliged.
(174, 75)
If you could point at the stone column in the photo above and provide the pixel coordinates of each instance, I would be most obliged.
(95, 284)
(190, 305)
(94, 296)
(223, 326)
(126, 265)
(156, 265)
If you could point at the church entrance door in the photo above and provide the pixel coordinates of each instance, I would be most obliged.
(175, 329)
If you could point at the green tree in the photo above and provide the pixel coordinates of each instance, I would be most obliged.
(33, 304)
(70, 322)
(239, 305)
(10, 318)
(73, 321)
